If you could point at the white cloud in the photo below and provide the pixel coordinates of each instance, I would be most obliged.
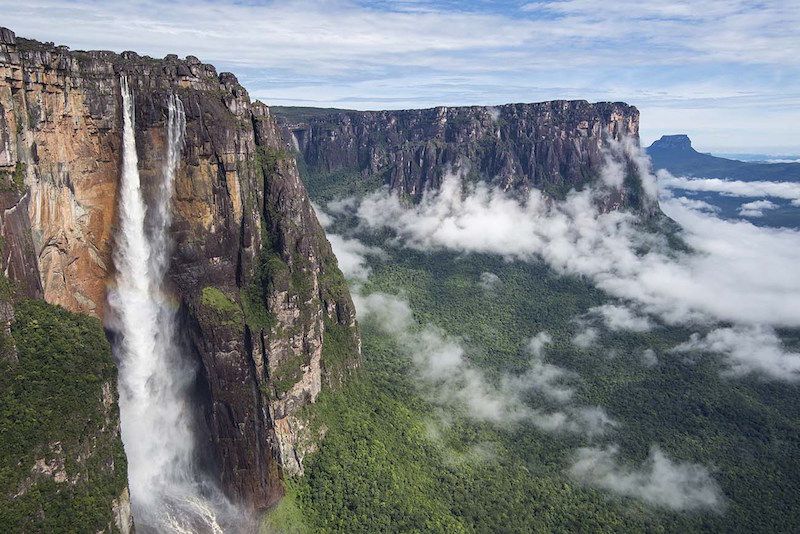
(695, 204)
(754, 349)
(359, 55)
(738, 273)
(342, 206)
(489, 281)
(452, 380)
(586, 337)
(735, 188)
(649, 358)
(323, 218)
(660, 481)
(756, 208)
(546, 378)
(618, 318)
(352, 256)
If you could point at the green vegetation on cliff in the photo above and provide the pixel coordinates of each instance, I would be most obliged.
(61, 458)
(226, 310)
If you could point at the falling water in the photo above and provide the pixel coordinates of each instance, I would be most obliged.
(168, 492)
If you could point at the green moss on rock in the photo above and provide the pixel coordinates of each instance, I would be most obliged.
(225, 310)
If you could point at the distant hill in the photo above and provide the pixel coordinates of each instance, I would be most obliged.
(675, 154)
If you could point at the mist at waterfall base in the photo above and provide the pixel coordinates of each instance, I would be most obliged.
(170, 492)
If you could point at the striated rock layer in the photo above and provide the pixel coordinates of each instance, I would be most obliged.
(554, 146)
(258, 289)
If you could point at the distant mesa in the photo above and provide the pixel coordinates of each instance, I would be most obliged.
(672, 142)
(676, 154)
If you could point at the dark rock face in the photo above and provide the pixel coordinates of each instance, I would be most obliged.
(255, 278)
(554, 146)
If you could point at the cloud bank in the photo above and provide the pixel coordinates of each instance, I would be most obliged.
(659, 481)
(543, 395)
(748, 349)
(734, 188)
(739, 272)
(756, 208)
(736, 272)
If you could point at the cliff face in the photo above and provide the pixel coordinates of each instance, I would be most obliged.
(259, 291)
(554, 146)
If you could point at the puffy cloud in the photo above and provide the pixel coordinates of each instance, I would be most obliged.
(699, 205)
(618, 318)
(352, 256)
(649, 358)
(548, 379)
(489, 281)
(756, 208)
(323, 218)
(752, 349)
(738, 272)
(735, 272)
(586, 337)
(342, 206)
(452, 380)
(659, 481)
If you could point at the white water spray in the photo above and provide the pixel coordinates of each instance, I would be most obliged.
(168, 492)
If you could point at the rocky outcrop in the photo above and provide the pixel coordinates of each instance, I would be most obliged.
(554, 146)
(258, 288)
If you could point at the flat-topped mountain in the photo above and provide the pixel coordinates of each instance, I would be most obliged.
(676, 154)
(554, 146)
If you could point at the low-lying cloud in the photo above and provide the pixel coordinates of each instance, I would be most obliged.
(734, 188)
(756, 208)
(586, 337)
(739, 272)
(616, 318)
(749, 349)
(543, 395)
(736, 272)
(489, 281)
(352, 256)
(659, 481)
(699, 205)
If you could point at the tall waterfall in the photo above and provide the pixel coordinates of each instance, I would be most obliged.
(168, 491)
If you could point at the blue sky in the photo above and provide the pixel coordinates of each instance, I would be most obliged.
(727, 72)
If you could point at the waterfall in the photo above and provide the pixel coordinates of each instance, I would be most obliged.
(168, 491)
